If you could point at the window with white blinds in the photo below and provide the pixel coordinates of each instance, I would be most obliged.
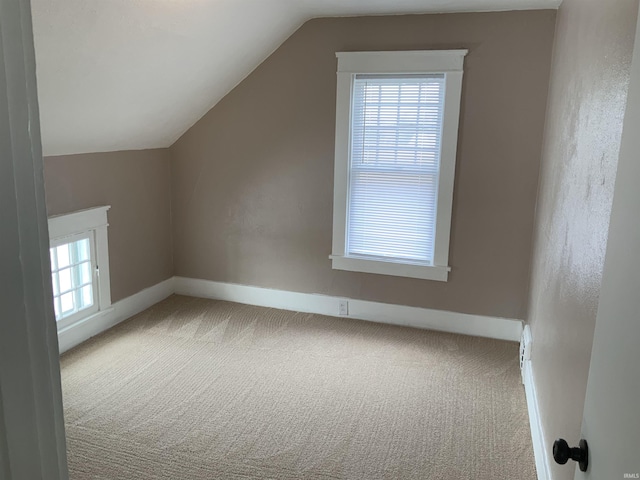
(396, 126)
(396, 138)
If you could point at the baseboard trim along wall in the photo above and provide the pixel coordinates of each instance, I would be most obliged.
(537, 434)
(477, 325)
(89, 327)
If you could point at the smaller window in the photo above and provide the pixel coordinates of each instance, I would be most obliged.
(74, 276)
(79, 265)
(396, 137)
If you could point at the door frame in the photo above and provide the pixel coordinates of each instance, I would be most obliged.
(32, 438)
(613, 387)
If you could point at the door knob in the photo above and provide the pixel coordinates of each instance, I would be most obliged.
(562, 453)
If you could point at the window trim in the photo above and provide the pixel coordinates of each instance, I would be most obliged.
(91, 221)
(449, 62)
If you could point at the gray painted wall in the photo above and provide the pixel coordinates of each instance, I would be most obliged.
(137, 185)
(588, 92)
(253, 179)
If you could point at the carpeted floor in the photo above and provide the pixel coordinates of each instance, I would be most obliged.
(200, 389)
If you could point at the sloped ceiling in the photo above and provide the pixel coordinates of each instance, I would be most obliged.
(136, 74)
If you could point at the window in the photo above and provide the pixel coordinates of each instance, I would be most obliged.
(79, 265)
(74, 276)
(396, 136)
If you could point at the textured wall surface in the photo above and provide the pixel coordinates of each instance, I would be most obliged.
(137, 185)
(587, 97)
(253, 179)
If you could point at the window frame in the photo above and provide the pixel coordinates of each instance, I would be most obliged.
(95, 307)
(447, 62)
(90, 223)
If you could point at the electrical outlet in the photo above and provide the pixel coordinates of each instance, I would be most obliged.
(343, 307)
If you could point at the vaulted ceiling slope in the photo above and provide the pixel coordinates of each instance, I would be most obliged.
(136, 74)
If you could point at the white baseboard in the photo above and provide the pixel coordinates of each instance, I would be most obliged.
(537, 434)
(89, 327)
(477, 325)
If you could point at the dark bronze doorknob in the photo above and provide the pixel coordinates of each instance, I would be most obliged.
(562, 453)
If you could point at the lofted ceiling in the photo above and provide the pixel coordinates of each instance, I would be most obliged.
(136, 74)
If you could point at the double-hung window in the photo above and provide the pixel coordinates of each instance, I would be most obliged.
(396, 136)
(79, 265)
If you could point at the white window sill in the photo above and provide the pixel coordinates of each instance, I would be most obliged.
(63, 326)
(425, 272)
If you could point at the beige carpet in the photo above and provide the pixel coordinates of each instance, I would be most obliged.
(200, 389)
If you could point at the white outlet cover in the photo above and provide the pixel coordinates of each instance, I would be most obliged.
(343, 307)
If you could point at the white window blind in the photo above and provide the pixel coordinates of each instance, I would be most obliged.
(396, 131)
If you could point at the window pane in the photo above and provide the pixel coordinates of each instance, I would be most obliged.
(66, 302)
(83, 249)
(392, 216)
(64, 276)
(86, 296)
(62, 252)
(56, 307)
(54, 282)
(84, 273)
(52, 253)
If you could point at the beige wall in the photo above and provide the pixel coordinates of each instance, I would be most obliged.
(253, 179)
(137, 185)
(590, 75)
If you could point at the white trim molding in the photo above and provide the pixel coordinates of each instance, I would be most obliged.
(407, 61)
(81, 221)
(540, 449)
(462, 323)
(91, 326)
(477, 325)
(353, 264)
